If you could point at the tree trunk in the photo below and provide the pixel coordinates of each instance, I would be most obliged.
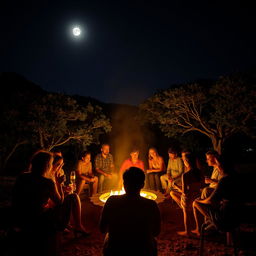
(41, 140)
(12, 151)
(217, 144)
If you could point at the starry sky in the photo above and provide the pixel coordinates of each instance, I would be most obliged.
(129, 49)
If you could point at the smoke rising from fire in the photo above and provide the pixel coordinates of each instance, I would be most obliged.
(127, 134)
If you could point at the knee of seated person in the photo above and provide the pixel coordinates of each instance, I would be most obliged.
(194, 204)
(205, 192)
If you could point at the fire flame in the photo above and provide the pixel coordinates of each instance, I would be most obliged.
(104, 197)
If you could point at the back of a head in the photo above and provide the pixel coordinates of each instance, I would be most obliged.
(40, 162)
(133, 179)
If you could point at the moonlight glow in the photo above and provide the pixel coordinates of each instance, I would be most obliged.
(76, 31)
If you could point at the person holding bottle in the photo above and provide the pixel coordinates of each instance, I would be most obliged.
(31, 196)
(69, 192)
(72, 180)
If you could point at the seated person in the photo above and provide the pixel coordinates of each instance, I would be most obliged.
(58, 163)
(175, 169)
(105, 168)
(130, 221)
(156, 168)
(223, 206)
(133, 161)
(56, 152)
(84, 173)
(212, 160)
(39, 199)
(192, 182)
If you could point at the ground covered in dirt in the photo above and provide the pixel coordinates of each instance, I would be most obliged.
(169, 243)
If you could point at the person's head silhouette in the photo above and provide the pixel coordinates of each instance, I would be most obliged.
(133, 180)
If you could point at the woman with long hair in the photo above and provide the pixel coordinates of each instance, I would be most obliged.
(156, 167)
(69, 195)
(85, 174)
(39, 202)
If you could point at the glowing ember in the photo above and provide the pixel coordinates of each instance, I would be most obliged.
(150, 195)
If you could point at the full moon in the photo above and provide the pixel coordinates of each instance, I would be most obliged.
(76, 31)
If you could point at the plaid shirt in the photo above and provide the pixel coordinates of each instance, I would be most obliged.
(104, 164)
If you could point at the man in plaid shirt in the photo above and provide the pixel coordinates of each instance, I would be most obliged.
(104, 166)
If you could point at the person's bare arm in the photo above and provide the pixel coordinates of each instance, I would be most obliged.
(80, 174)
(162, 164)
(161, 168)
(58, 195)
(209, 180)
(177, 187)
(184, 184)
(102, 172)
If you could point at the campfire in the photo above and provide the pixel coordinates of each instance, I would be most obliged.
(103, 197)
(100, 199)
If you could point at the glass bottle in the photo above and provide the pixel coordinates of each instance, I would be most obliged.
(73, 180)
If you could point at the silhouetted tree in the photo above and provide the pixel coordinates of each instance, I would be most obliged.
(218, 111)
(35, 118)
(56, 119)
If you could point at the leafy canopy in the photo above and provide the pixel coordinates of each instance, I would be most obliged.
(56, 119)
(218, 110)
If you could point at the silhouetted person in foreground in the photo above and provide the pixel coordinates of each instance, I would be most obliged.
(131, 222)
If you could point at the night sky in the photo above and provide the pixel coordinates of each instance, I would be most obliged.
(129, 49)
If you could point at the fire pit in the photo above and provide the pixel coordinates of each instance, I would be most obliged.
(100, 199)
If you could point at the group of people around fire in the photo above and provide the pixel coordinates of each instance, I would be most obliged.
(54, 204)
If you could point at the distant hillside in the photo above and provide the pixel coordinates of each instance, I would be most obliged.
(17, 90)
(13, 82)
